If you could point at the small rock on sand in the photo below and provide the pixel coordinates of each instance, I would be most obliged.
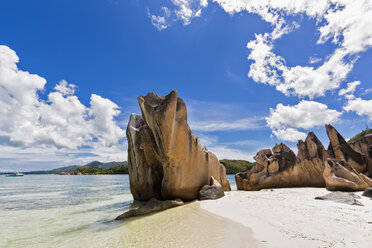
(341, 197)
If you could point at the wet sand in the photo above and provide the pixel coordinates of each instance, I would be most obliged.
(186, 226)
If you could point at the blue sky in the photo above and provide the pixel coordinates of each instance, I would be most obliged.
(252, 74)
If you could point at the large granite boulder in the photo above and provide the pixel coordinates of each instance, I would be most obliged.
(364, 146)
(211, 191)
(151, 206)
(341, 150)
(279, 167)
(165, 159)
(340, 175)
(338, 168)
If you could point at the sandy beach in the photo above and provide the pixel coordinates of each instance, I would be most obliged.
(293, 218)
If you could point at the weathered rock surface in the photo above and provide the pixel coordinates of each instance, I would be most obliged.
(211, 191)
(151, 206)
(165, 159)
(338, 168)
(364, 146)
(279, 167)
(367, 192)
(341, 150)
(340, 175)
(341, 197)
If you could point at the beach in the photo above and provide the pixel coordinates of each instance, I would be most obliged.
(78, 211)
(293, 218)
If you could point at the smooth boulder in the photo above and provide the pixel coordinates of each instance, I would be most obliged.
(165, 159)
(211, 191)
(367, 192)
(341, 197)
(151, 206)
(340, 175)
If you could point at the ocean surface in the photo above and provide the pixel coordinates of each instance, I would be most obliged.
(78, 211)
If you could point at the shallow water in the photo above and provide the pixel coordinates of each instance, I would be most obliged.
(77, 211)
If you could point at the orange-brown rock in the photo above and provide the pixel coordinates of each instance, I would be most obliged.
(364, 146)
(339, 168)
(341, 176)
(279, 167)
(165, 159)
(341, 150)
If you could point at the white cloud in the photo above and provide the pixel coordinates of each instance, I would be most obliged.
(223, 152)
(286, 120)
(367, 91)
(360, 106)
(346, 23)
(185, 10)
(159, 22)
(350, 88)
(215, 116)
(61, 121)
(289, 134)
(314, 60)
(226, 125)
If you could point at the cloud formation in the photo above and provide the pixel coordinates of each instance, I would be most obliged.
(360, 106)
(286, 120)
(61, 121)
(344, 23)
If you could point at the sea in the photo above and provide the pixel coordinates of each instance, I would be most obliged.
(79, 211)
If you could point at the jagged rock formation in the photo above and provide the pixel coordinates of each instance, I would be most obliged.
(281, 168)
(340, 149)
(338, 168)
(165, 160)
(151, 206)
(364, 146)
(211, 191)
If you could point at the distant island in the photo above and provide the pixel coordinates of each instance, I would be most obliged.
(93, 168)
(100, 168)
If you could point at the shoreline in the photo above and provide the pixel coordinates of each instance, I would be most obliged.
(291, 217)
(187, 226)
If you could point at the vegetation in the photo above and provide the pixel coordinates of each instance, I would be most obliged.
(360, 135)
(122, 169)
(235, 166)
(71, 168)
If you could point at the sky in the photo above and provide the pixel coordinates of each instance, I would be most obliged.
(252, 73)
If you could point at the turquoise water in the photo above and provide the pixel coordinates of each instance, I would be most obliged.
(78, 211)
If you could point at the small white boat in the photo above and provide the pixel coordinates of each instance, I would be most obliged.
(15, 175)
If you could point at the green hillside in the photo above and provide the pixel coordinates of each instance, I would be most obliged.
(235, 166)
(71, 168)
(359, 136)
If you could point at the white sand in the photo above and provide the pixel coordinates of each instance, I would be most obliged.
(292, 218)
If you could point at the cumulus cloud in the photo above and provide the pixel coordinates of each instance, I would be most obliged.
(343, 22)
(159, 22)
(61, 121)
(185, 10)
(286, 120)
(360, 106)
